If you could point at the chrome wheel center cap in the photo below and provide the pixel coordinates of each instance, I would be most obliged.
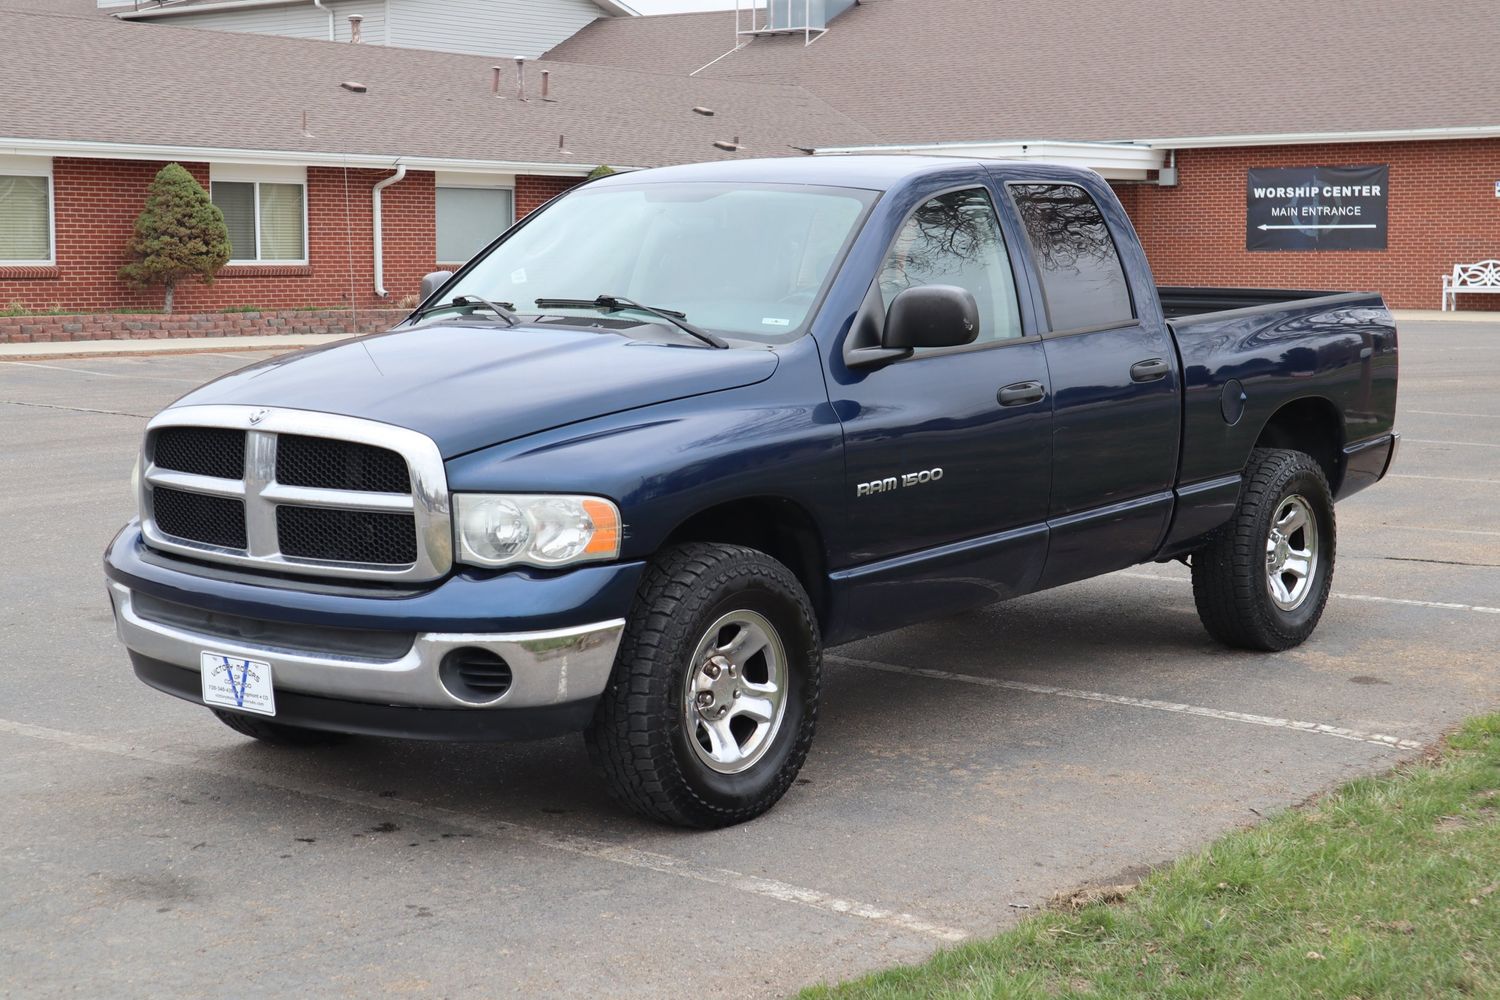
(721, 687)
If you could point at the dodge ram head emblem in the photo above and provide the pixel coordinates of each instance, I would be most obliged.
(258, 416)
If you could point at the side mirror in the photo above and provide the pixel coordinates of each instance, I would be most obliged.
(434, 281)
(931, 316)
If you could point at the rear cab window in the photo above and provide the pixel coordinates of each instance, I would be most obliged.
(1083, 280)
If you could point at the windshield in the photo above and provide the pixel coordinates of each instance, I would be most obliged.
(744, 260)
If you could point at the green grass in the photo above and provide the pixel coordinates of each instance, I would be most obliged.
(1388, 888)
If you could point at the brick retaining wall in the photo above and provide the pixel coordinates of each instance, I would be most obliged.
(151, 326)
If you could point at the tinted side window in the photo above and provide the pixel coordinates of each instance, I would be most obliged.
(1082, 278)
(955, 239)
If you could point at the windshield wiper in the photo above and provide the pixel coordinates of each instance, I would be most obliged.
(614, 303)
(504, 310)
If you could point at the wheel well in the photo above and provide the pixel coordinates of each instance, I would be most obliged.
(1311, 425)
(776, 526)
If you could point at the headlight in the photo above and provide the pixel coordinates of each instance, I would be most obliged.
(535, 529)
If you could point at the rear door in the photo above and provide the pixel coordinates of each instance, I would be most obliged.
(948, 452)
(1115, 380)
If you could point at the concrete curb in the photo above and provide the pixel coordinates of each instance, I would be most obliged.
(1438, 316)
(184, 345)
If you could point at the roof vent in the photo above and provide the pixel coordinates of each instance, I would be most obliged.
(354, 20)
(354, 87)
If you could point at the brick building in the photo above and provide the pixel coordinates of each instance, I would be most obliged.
(1175, 103)
(1181, 106)
(299, 140)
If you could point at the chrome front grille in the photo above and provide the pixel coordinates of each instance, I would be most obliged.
(296, 491)
(339, 465)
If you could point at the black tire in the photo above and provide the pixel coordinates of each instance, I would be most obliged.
(1232, 583)
(639, 737)
(277, 733)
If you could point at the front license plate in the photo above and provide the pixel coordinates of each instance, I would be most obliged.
(232, 682)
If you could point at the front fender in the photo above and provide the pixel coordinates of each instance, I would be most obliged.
(661, 464)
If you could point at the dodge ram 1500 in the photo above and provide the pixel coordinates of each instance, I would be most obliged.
(634, 466)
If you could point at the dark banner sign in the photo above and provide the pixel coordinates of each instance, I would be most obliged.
(1317, 208)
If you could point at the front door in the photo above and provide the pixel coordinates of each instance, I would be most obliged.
(948, 452)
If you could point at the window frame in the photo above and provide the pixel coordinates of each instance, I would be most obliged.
(35, 166)
(1041, 281)
(441, 182)
(1017, 278)
(257, 260)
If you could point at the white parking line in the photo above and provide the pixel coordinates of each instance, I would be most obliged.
(1442, 479)
(597, 850)
(1442, 531)
(1319, 728)
(1465, 444)
(1451, 413)
(89, 371)
(1440, 605)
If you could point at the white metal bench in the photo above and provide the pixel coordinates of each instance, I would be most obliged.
(1482, 278)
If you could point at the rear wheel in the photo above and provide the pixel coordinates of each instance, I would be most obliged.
(1262, 581)
(711, 708)
(277, 733)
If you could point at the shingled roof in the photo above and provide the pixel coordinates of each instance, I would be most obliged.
(107, 83)
(1137, 70)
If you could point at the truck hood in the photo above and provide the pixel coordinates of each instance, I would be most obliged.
(469, 386)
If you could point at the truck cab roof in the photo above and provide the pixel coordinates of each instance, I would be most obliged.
(874, 173)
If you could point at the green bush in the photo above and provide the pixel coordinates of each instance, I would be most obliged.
(180, 234)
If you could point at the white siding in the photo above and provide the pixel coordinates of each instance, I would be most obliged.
(488, 27)
(297, 21)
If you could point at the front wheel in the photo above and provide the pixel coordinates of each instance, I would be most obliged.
(711, 708)
(1261, 582)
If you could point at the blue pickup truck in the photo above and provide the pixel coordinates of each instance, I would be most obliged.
(633, 467)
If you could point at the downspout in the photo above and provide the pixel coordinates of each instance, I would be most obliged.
(331, 33)
(395, 178)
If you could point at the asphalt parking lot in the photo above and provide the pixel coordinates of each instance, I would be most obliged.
(963, 770)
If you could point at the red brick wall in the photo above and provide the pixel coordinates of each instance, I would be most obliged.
(1443, 211)
(97, 202)
(533, 192)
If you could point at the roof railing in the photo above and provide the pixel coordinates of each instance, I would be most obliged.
(758, 17)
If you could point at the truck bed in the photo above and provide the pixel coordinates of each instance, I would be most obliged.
(1334, 350)
(1181, 302)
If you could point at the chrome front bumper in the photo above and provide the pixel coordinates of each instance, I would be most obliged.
(548, 668)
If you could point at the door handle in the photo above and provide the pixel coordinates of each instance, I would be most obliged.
(1021, 393)
(1149, 370)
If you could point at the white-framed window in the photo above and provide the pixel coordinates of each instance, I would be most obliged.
(472, 209)
(27, 234)
(265, 211)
